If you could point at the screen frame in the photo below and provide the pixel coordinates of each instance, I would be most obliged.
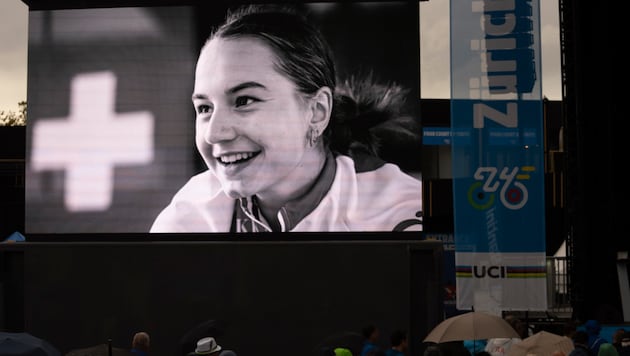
(140, 236)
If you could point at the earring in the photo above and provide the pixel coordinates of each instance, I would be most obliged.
(312, 136)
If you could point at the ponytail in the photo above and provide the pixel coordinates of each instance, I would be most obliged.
(367, 117)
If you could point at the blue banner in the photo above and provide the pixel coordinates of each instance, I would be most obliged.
(498, 170)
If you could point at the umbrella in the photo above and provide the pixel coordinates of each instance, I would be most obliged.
(350, 340)
(471, 326)
(542, 343)
(25, 344)
(100, 350)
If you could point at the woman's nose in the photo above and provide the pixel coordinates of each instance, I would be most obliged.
(220, 127)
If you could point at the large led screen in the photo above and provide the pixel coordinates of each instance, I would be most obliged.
(138, 123)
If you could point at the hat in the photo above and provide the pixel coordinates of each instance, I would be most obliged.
(206, 346)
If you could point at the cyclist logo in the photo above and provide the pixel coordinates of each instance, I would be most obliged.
(513, 193)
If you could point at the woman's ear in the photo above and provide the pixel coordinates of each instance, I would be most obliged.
(321, 107)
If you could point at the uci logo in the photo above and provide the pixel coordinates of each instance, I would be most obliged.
(489, 271)
(512, 193)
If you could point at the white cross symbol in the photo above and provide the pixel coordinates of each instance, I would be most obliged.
(91, 141)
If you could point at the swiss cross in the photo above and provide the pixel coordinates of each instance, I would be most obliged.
(91, 141)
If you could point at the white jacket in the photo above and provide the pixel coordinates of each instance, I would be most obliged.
(382, 198)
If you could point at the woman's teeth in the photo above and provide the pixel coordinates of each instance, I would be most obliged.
(235, 157)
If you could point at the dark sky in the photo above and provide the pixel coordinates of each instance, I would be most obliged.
(434, 27)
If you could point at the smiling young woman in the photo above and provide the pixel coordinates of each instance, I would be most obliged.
(287, 149)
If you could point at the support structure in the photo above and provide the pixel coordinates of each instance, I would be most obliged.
(624, 283)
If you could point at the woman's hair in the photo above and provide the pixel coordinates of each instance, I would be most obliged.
(368, 116)
(365, 113)
(301, 50)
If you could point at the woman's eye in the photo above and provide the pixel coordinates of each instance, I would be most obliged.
(244, 100)
(203, 109)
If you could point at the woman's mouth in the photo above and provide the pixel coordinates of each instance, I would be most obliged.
(235, 158)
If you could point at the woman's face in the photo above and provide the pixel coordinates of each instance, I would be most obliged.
(251, 122)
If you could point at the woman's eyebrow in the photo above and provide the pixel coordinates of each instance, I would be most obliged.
(245, 85)
(232, 90)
